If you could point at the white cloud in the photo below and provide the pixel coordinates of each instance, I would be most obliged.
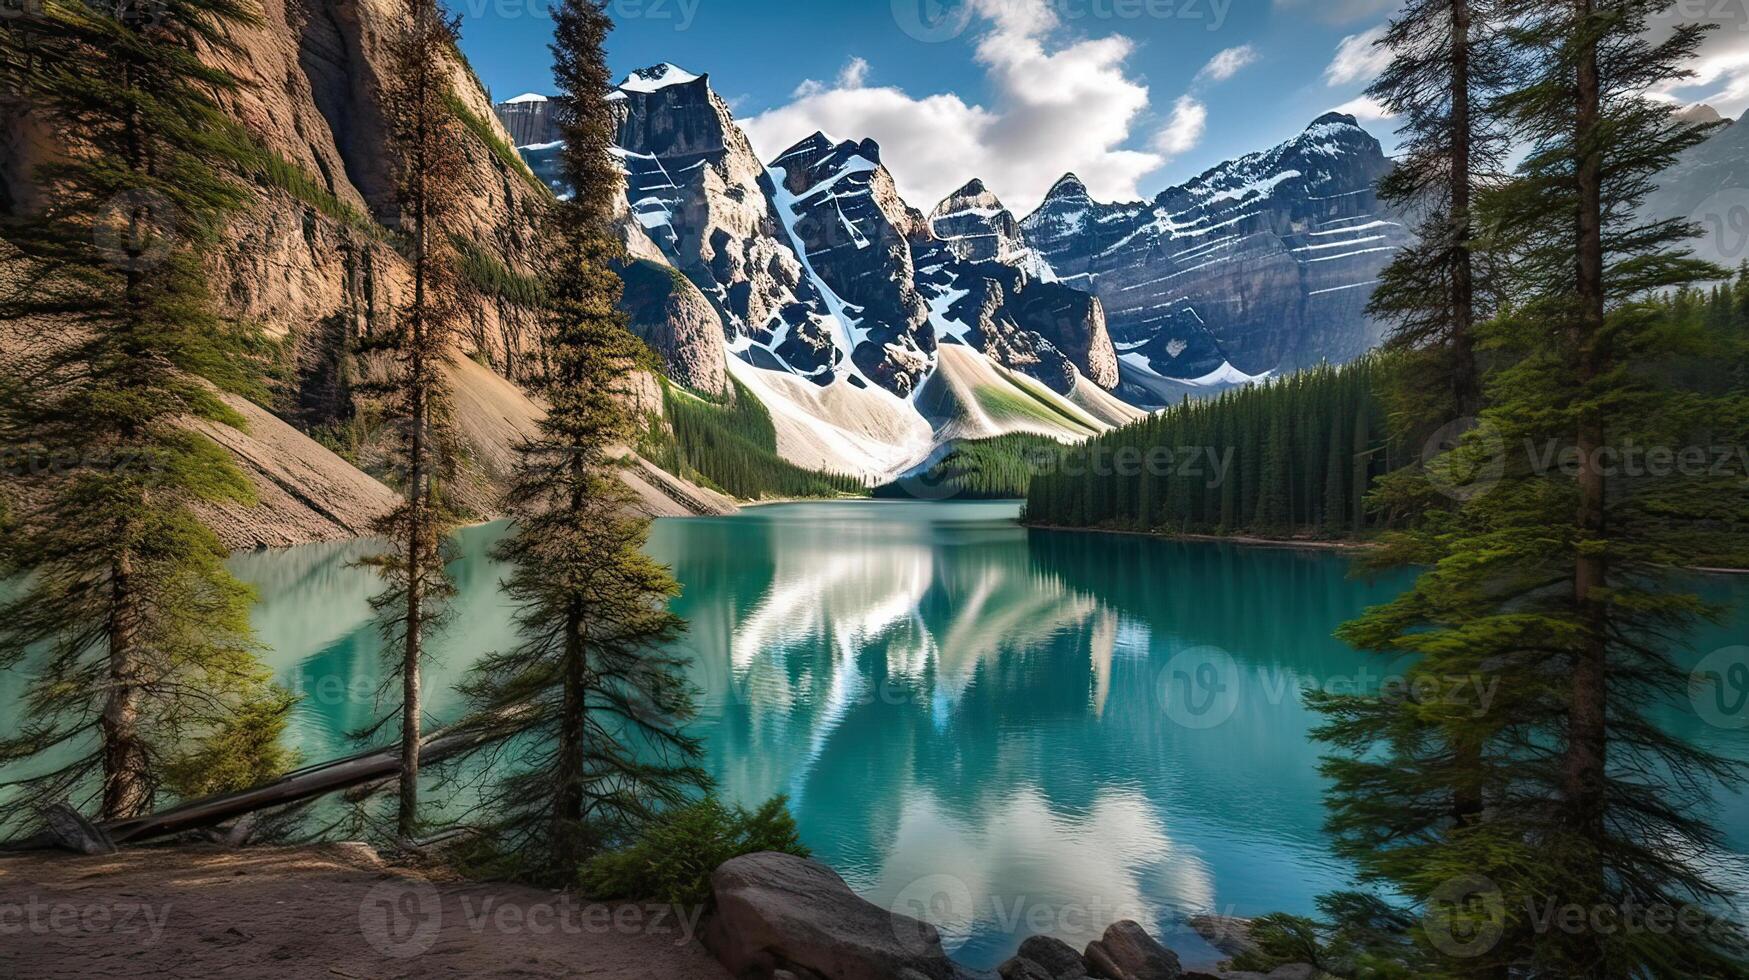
(1228, 63)
(1358, 59)
(1056, 107)
(1365, 110)
(854, 73)
(1184, 130)
(1721, 76)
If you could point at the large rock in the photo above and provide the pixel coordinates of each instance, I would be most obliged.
(1228, 933)
(777, 913)
(1127, 952)
(1044, 958)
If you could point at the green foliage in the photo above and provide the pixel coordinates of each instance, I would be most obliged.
(1363, 938)
(132, 637)
(489, 276)
(489, 138)
(731, 445)
(244, 751)
(1291, 457)
(583, 719)
(273, 170)
(1024, 401)
(672, 859)
(1554, 574)
(1001, 468)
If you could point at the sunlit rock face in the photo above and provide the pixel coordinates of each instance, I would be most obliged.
(696, 189)
(1263, 264)
(975, 226)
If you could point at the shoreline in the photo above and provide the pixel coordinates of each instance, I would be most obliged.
(1248, 541)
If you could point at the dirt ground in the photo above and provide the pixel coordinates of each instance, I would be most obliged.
(312, 913)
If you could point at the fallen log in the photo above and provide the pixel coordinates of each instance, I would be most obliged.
(373, 765)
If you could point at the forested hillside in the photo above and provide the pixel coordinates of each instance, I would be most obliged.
(731, 445)
(1291, 457)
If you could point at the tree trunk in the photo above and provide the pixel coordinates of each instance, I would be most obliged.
(1587, 748)
(126, 792)
(1465, 378)
(411, 720)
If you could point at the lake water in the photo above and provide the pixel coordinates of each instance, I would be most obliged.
(974, 722)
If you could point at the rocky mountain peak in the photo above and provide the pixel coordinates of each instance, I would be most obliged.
(1068, 187)
(977, 228)
(1699, 114)
(657, 77)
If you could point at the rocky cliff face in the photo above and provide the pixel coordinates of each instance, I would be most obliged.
(1264, 264)
(815, 263)
(700, 195)
(313, 259)
(530, 119)
(976, 227)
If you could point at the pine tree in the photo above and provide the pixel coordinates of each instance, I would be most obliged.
(1447, 60)
(425, 137)
(592, 699)
(135, 638)
(1559, 584)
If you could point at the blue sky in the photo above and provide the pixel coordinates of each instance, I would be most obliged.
(1128, 93)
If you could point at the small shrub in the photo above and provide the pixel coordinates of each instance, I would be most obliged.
(672, 860)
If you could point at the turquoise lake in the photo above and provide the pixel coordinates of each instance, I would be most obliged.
(974, 722)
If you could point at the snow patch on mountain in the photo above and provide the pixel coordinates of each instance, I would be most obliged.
(656, 78)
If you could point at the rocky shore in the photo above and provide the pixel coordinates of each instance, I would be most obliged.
(339, 910)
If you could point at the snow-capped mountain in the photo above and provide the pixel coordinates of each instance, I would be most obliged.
(829, 298)
(976, 227)
(876, 331)
(1260, 265)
